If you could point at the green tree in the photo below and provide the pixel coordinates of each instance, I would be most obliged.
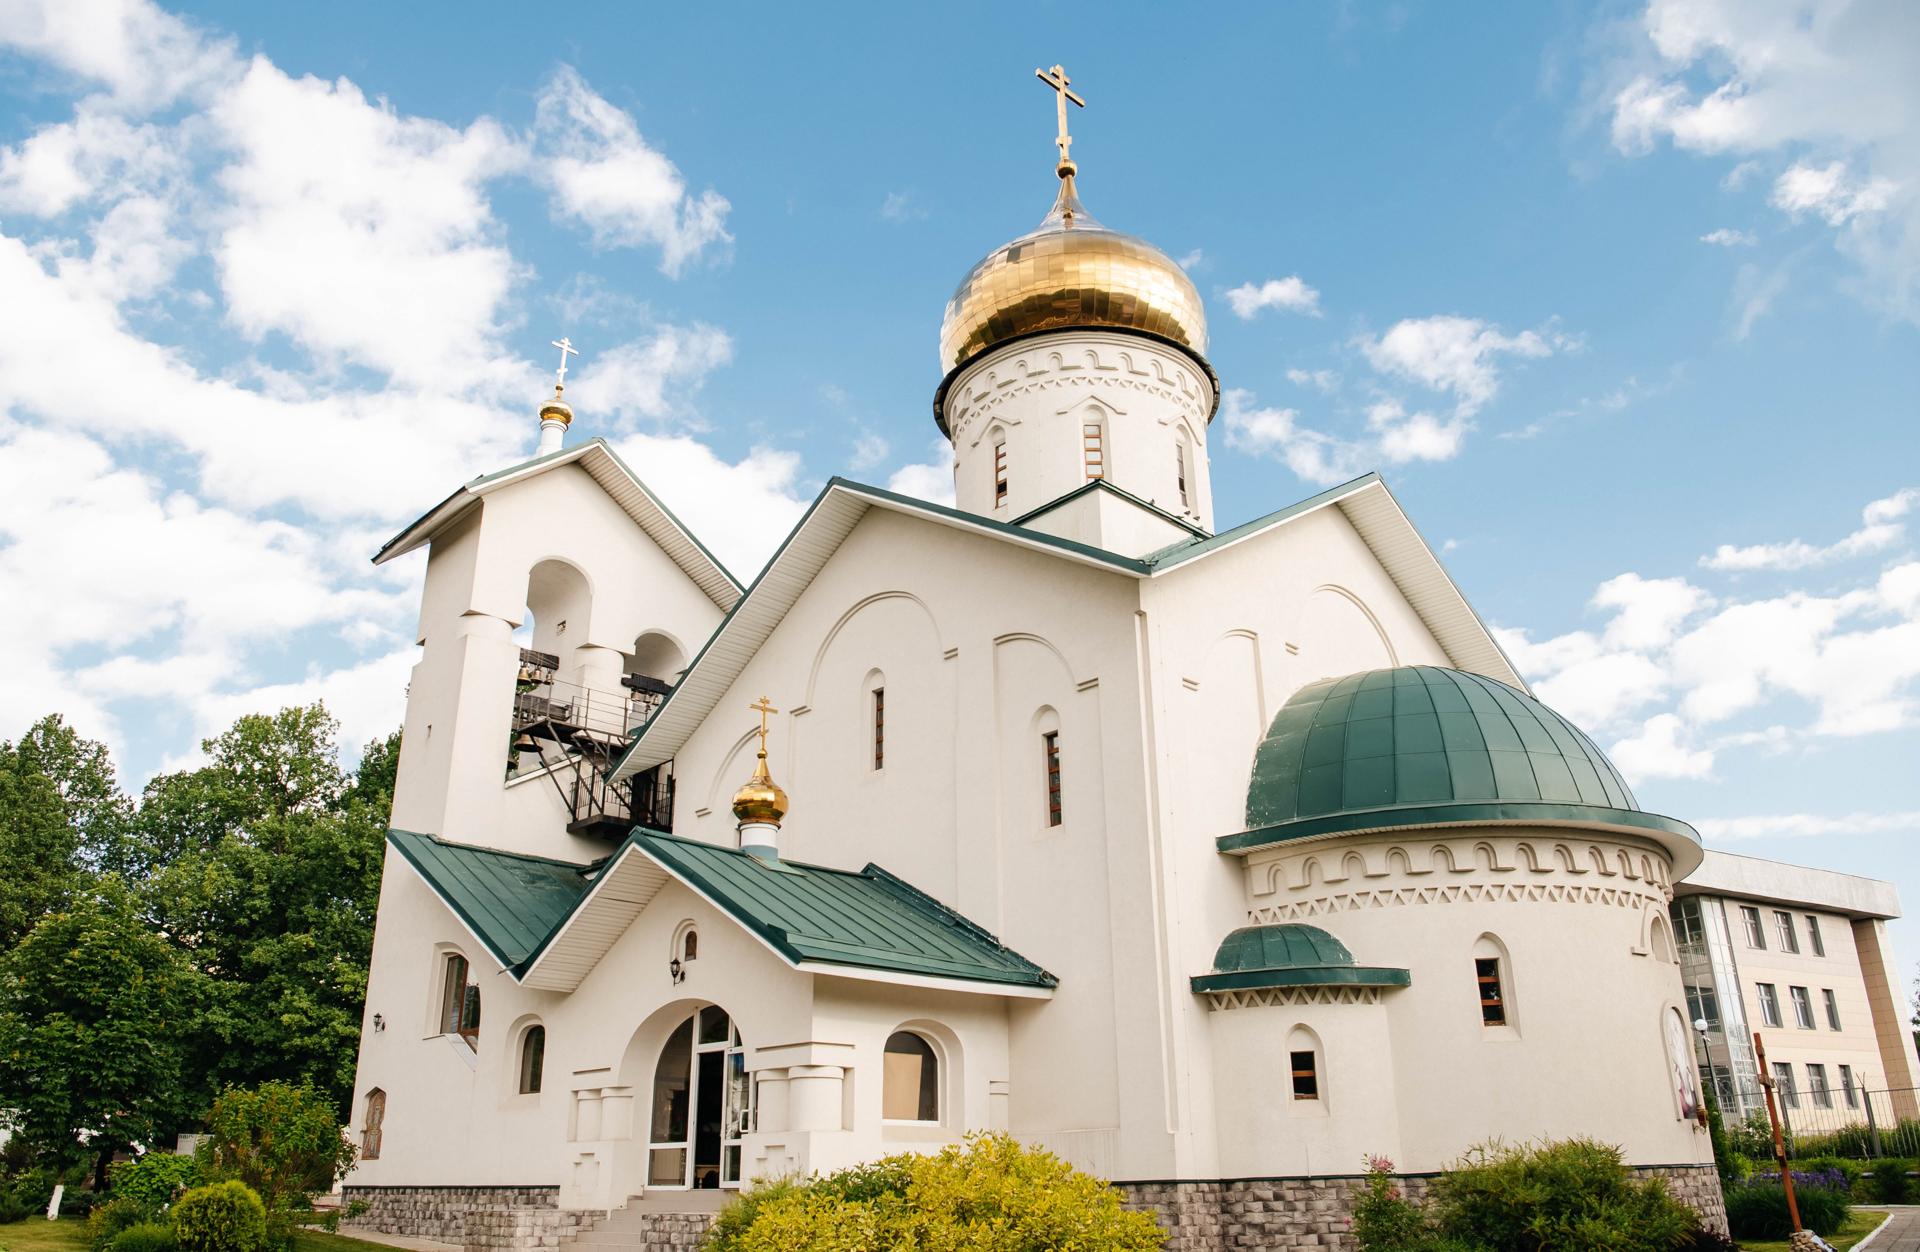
(264, 865)
(81, 770)
(93, 1007)
(281, 1140)
(57, 797)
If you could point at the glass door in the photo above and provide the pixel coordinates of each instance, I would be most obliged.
(702, 1105)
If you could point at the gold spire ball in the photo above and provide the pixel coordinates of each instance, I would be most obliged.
(1072, 271)
(761, 802)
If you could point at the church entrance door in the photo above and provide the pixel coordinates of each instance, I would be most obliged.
(702, 1105)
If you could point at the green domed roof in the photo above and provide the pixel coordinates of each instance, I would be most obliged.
(1290, 955)
(1426, 746)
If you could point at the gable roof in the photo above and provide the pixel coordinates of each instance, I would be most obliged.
(549, 922)
(1121, 493)
(1365, 502)
(606, 468)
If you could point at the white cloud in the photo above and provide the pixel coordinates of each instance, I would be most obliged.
(931, 479)
(1881, 527)
(1806, 825)
(901, 206)
(608, 177)
(1394, 437)
(1647, 612)
(368, 698)
(1192, 259)
(648, 378)
(869, 450)
(1826, 90)
(1660, 750)
(1320, 380)
(1290, 293)
(1454, 354)
(145, 58)
(1728, 238)
(740, 509)
(98, 155)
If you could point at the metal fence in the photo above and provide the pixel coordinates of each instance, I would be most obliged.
(1841, 1121)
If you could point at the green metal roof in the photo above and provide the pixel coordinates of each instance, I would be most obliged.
(1422, 746)
(869, 919)
(1290, 955)
(511, 903)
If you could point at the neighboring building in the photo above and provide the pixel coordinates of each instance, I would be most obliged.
(1198, 857)
(1802, 957)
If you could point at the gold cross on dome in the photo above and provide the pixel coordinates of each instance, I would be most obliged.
(763, 707)
(566, 347)
(1057, 79)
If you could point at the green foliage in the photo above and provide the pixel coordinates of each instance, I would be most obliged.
(221, 1217)
(1752, 1138)
(109, 1221)
(39, 841)
(145, 1237)
(1723, 1154)
(1757, 1208)
(266, 862)
(1854, 1140)
(92, 1007)
(1574, 1195)
(154, 1179)
(987, 1195)
(284, 1142)
(1893, 1181)
(1384, 1220)
(26, 1193)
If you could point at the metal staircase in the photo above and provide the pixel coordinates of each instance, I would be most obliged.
(577, 735)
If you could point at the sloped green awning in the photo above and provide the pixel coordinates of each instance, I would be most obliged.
(510, 902)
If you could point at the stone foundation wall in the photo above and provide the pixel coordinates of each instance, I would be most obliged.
(520, 1230)
(1318, 1212)
(660, 1231)
(439, 1212)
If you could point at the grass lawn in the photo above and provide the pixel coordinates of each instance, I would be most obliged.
(1860, 1224)
(69, 1234)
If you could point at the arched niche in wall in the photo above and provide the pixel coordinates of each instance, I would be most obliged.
(1337, 634)
(560, 601)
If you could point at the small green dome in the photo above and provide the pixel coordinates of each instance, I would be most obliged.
(1425, 746)
(1290, 955)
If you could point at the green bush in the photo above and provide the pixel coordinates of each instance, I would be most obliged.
(154, 1179)
(146, 1237)
(119, 1214)
(1573, 1195)
(1384, 1220)
(989, 1192)
(1757, 1208)
(282, 1141)
(1893, 1181)
(1752, 1138)
(221, 1217)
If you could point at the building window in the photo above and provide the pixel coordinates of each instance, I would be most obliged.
(1848, 1091)
(999, 473)
(1817, 1086)
(1783, 1084)
(370, 1127)
(1493, 1005)
(460, 1002)
(1802, 1007)
(1306, 1076)
(1769, 1003)
(1095, 454)
(910, 1080)
(1180, 470)
(1789, 939)
(1756, 933)
(879, 727)
(690, 946)
(1051, 743)
(1833, 1008)
(1703, 1005)
(533, 1059)
(1814, 940)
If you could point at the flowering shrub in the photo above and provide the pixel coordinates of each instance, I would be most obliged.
(1757, 1207)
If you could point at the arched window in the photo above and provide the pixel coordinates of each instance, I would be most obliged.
(1307, 1076)
(690, 946)
(999, 467)
(877, 711)
(1050, 751)
(370, 1125)
(460, 1001)
(533, 1059)
(910, 1082)
(1493, 980)
(1180, 469)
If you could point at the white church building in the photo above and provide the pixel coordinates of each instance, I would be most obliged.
(1213, 860)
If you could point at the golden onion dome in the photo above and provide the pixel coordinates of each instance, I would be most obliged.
(761, 800)
(1072, 271)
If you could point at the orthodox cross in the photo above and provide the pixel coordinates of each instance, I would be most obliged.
(763, 707)
(566, 347)
(1057, 79)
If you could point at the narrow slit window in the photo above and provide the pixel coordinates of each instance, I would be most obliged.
(1814, 938)
(999, 474)
(1051, 742)
(1180, 471)
(1833, 1008)
(1306, 1076)
(1493, 1007)
(1095, 453)
(533, 1060)
(879, 727)
(1847, 1089)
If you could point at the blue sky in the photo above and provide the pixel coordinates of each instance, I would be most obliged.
(1624, 301)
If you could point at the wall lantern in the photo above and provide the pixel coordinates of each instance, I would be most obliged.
(676, 971)
(379, 1023)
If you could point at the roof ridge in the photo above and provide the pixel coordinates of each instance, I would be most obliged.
(481, 847)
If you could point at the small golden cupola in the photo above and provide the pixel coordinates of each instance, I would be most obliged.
(760, 804)
(556, 415)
